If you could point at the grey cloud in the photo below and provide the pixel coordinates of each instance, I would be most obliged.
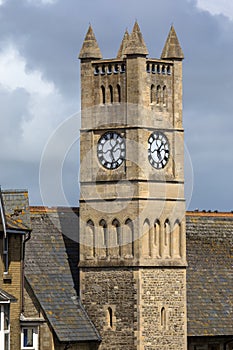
(50, 37)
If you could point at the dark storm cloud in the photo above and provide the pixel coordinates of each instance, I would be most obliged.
(49, 37)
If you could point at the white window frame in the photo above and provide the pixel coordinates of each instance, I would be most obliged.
(34, 337)
(4, 332)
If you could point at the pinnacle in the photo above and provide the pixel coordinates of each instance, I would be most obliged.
(136, 43)
(124, 42)
(172, 48)
(90, 48)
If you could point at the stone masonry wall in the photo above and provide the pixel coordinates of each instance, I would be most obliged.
(115, 289)
(163, 313)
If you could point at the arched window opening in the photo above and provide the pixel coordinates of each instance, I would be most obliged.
(90, 238)
(103, 94)
(163, 317)
(111, 93)
(153, 68)
(167, 231)
(156, 232)
(116, 68)
(163, 69)
(119, 93)
(158, 95)
(128, 239)
(123, 68)
(103, 70)
(158, 68)
(157, 239)
(148, 67)
(116, 224)
(146, 239)
(110, 317)
(96, 72)
(168, 70)
(109, 69)
(165, 95)
(104, 238)
(152, 94)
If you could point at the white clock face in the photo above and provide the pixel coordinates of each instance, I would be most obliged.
(158, 150)
(111, 150)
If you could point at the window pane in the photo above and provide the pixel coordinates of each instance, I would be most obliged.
(6, 317)
(6, 341)
(28, 337)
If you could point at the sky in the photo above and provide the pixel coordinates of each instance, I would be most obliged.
(40, 89)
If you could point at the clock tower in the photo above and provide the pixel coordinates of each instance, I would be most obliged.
(132, 206)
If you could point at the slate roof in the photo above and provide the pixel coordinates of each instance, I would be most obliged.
(210, 273)
(51, 271)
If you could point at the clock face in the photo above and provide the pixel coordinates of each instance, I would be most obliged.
(111, 150)
(158, 150)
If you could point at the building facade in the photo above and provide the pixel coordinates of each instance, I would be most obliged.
(132, 207)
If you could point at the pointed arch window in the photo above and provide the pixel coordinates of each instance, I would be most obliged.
(103, 97)
(110, 317)
(103, 235)
(164, 95)
(163, 317)
(128, 238)
(163, 69)
(111, 93)
(153, 68)
(152, 94)
(158, 68)
(168, 70)
(119, 93)
(148, 67)
(90, 238)
(167, 232)
(116, 224)
(146, 239)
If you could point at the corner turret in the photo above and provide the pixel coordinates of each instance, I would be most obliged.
(136, 44)
(90, 48)
(124, 43)
(172, 48)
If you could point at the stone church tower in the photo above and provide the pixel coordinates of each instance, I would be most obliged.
(132, 206)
